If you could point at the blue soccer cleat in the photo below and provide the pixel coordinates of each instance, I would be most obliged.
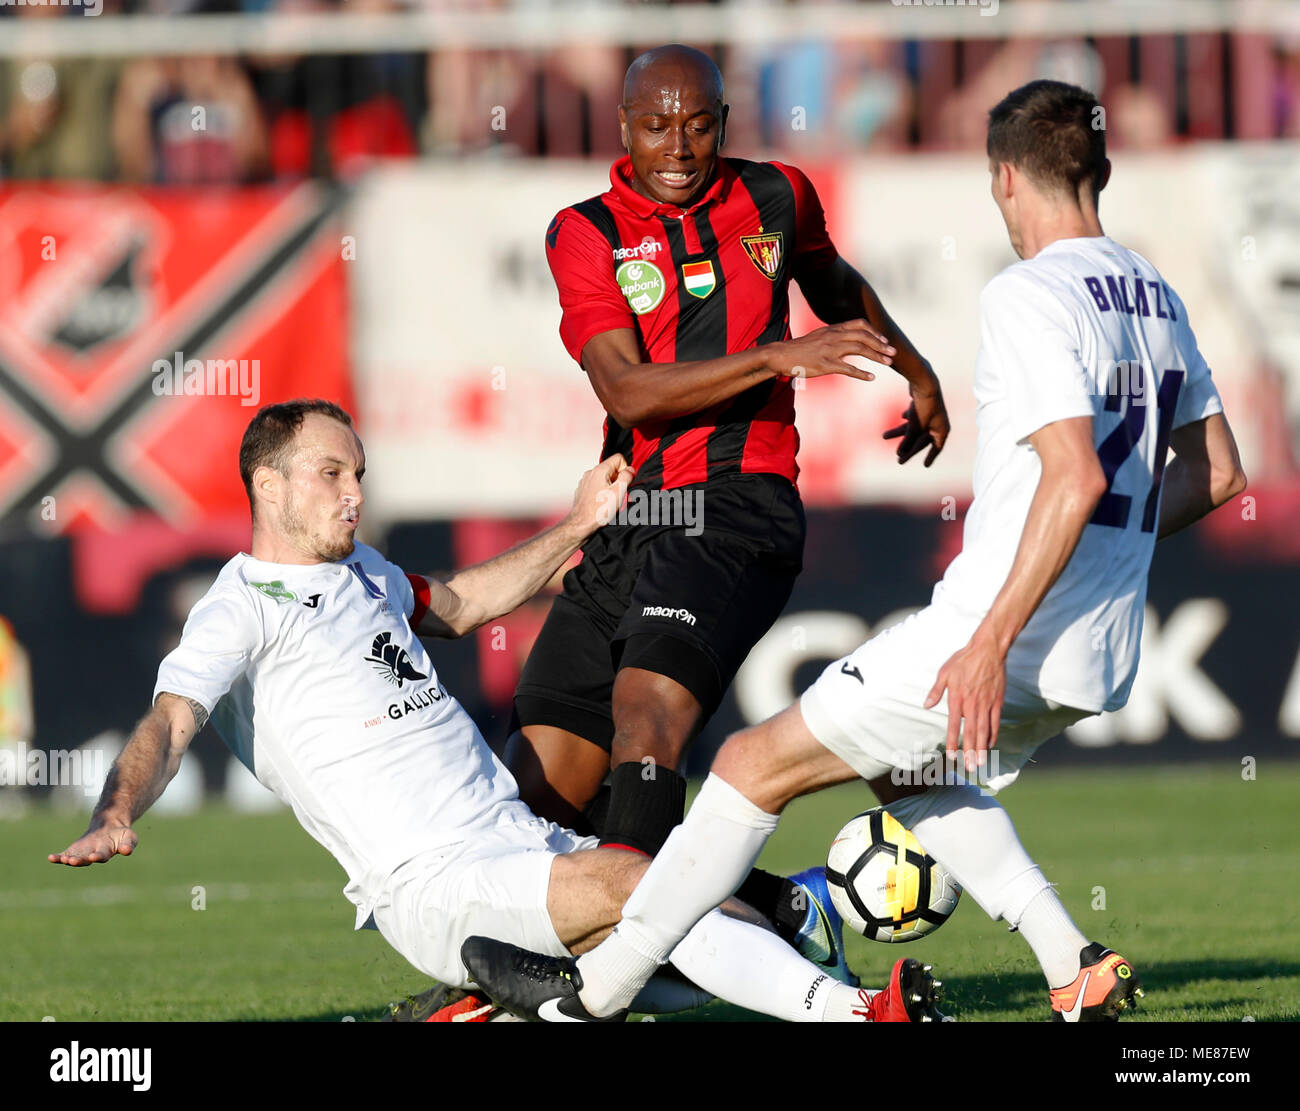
(821, 937)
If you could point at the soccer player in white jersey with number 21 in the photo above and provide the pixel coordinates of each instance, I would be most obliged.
(1088, 374)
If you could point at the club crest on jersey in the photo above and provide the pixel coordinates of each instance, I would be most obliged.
(392, 660)
(764, 251)
(277, 590)
(642, 284)
(699, 279)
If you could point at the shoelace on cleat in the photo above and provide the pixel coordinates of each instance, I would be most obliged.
(539, 969)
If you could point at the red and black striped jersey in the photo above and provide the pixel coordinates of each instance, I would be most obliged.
(696, 283)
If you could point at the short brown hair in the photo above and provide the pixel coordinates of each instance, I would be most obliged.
(1054, 133)
(268, 437)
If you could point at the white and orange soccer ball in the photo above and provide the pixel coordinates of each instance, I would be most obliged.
(884, 884)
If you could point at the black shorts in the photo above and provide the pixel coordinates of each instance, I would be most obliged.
(685, 600)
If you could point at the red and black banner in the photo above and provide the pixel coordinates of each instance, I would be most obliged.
(140, 330)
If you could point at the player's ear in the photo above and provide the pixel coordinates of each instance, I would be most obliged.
(267, 484)
(722, 127)
(622, 128)
(1105, 175)
(1006, 178)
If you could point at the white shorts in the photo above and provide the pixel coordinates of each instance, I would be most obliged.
(867, 708)
(492, 885)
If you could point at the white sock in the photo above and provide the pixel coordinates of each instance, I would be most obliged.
(703, 861)
(1053, 936)
(751, 967)
(973, 837)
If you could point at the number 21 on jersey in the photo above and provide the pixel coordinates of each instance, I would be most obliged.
(1114, 508)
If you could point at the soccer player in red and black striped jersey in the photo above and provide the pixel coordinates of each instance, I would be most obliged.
(674, 287)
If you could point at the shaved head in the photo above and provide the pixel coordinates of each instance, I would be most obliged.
(673, 122)
(675, 65)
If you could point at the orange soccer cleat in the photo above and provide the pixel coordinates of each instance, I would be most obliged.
(1105, 986)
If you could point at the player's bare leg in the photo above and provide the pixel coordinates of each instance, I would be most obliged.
(654, 717)
(778, 760)
(587, 892)
(558, 772)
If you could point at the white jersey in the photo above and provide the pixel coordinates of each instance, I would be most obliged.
(1086, 328)
(317, 682)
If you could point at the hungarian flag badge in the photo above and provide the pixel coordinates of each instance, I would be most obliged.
(698, 278)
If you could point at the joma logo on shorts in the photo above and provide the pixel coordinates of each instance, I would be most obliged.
(668, 611)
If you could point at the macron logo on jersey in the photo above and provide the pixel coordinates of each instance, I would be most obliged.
(649, 247)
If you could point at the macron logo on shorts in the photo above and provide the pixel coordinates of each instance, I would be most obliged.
(668, 611)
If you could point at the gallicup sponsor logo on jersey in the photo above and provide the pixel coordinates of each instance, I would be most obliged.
(392, 660)
(417, 700)
(394, 663)
(642, 284)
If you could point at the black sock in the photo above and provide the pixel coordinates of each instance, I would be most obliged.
(781, 902)
(646, 802)
(591, 822)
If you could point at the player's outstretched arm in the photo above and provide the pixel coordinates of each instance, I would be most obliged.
(1072, 483)
(481, 593)
(138, 776)
(634, 392)
(1204, 473)
(839, 293)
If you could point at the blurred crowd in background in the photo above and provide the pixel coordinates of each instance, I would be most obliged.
(275, 117)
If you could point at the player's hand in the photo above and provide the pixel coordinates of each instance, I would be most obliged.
(925, 424)
(828, 351)
(976, 682)
(600, 492)
(98, 845)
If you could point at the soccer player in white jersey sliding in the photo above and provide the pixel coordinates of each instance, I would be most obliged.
(306, 654)
(1087, 375)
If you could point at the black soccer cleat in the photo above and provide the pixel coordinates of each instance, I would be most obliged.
(1105, 986)
(529, 985)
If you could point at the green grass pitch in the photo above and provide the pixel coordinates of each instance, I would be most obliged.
(1199, 872)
